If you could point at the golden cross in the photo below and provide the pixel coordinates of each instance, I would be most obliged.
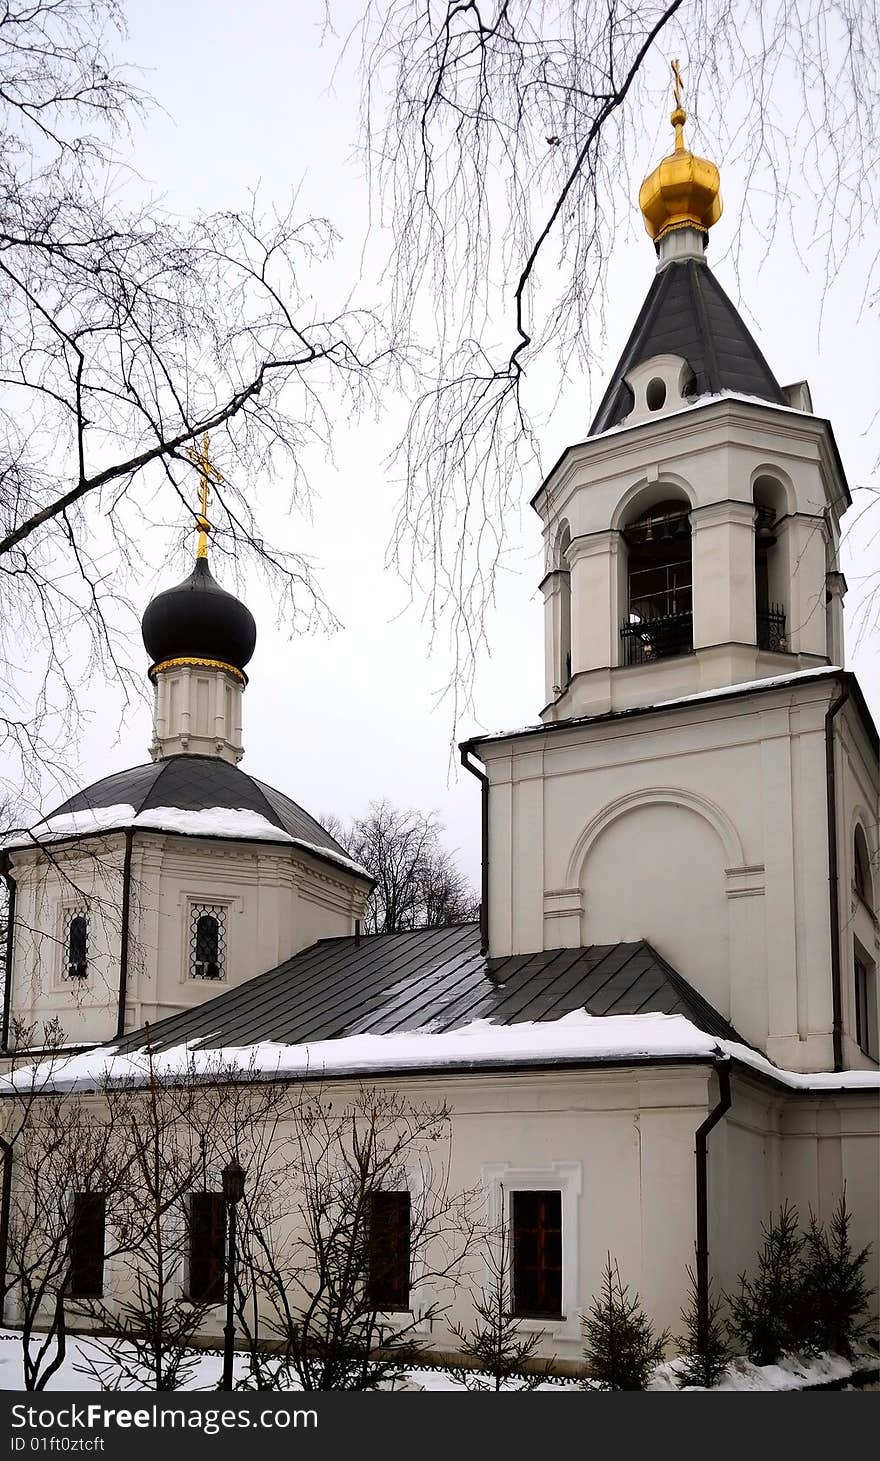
(208, 473)
(676, 89)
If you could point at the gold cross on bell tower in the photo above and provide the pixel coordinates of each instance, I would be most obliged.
(207, 474)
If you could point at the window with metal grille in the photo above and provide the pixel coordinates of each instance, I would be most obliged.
(86, 1245)
(207, 941)
(76, 943)
(207, 1248)
(866, 1007)
(388, 1250)
(536, 1222)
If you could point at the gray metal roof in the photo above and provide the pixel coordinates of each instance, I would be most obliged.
(193, 784)
(437, 978)
(687, 313)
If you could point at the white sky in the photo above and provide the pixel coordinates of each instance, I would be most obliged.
(244, 98)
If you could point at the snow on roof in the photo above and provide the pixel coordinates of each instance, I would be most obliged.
(576, 1038)
(710, 399)
(772, 682)
(237, 822)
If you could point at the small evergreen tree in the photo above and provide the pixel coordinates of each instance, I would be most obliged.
(704, 1355)
(834, 1290)
(496, 1343)
(620, 1346)
(766, 1316)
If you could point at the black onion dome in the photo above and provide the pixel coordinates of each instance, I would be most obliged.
(197, 619)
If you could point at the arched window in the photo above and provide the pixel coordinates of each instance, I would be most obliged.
(769, 585)
(862, 881)
(659, 620)
(77, 943)
(207, 941)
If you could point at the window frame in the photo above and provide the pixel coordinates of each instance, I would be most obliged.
(199, 905)
(543, 1233)
(865, 1031)
(500, 1180)
(205, 1298)
(67, 913)
(399, 1193)
(95, 1291)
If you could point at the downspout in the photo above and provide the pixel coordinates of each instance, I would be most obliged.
(7, 981)
(834, 880)
(5, 1211)
(483, 779)
(722, 1070)
(5, 1207)
(123, 932)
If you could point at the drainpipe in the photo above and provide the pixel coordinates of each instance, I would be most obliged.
(483, 779)
(5, 1206)
(123, 932)
(7, 981)
(834, 879)
(722, 1070)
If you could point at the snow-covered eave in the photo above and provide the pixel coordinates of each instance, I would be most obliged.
(702, 403)
(41, 838)
(722, 692)
(576, 1040)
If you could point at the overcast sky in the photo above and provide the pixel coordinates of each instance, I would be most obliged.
(244, 97)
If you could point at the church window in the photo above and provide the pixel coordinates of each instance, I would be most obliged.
(866, 1005)
(207, 1248)
(388, 1250)
(536, 1222)
(659, 620)
(207, 941)
(564, 608)
(655, 395)
(862, 868)
(86, 1246)
(76, 943)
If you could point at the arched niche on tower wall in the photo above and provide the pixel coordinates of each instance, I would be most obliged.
(772, 497)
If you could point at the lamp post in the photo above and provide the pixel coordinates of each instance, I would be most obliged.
(233, 1190)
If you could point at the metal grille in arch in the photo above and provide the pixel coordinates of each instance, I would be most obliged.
(207, 941)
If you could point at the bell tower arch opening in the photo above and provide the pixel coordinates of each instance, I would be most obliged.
(658, 620)
(771, 587)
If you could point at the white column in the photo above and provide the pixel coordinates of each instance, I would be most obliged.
(594, 601)
(723, 562)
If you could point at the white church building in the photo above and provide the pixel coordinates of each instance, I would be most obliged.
(666, 1022)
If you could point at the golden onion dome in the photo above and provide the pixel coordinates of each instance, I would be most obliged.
(684, 191)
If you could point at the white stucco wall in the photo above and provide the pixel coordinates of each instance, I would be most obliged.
(277, 900)
(702, 829)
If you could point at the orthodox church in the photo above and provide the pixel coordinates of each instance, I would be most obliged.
(666, 1021)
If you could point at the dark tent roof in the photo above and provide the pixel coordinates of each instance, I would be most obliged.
(194, 783)
(436, 978)
(687, 313)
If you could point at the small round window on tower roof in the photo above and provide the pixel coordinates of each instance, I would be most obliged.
(655, 395)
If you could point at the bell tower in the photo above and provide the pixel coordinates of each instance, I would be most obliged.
(691, 540)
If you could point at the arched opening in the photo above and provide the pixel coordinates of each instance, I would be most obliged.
(564, 607)
(862, 880)
(659, 611)
(770, 596)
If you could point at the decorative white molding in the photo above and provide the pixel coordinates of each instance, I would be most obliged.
(655, 796)
(566, 1177)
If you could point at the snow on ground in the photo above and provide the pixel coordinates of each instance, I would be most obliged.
(791, 1374)
(576, 1037)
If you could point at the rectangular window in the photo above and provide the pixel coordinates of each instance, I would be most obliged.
(207, 941)
(207, 1248)
(866, 1017)
(76, 943)
(536, 1223)
(388, 1250)
(86, 1248)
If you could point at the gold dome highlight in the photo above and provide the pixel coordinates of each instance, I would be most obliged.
(684, 191)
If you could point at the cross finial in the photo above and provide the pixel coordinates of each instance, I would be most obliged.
(679, 115)
(208, 473)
